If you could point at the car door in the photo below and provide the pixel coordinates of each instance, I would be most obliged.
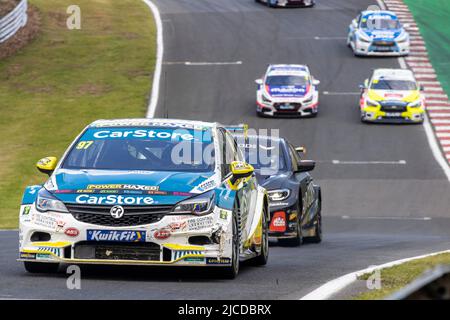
(307, 188)
(247, 193)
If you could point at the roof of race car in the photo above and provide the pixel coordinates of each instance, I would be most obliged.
(287, 69)
(392, 15)
(393, 74)
(146, 122)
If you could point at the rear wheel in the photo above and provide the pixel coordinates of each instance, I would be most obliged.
(230, 272)
(39, 267)
(261, 260)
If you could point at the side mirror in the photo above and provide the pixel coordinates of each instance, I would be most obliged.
(354, 23)
(315, 82)
(422, 88)
(306, 165)
(240, 170)
(259, 82)
(47, 165)
(366, 83)
(301, 150)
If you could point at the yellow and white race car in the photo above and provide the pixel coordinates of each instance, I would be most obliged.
(392, 96)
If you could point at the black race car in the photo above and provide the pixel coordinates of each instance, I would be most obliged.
(288, 3)
(295, 200)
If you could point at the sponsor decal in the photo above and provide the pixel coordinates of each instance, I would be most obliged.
(278, 204)
(72, 232)
(53, 250)
(114, 199)
(177, 226)
(293, 215)
(162, 234)
(27, 255)
(223, 214)
(194, 259)
(200, 223)
(60, 225)
(218, 261)
(26, 210)
(116, 235)
(43, 256)
(44, 221)
(122, 186)
(157, 134)
(278, 223)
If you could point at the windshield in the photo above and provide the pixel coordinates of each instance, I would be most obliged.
(265, 155)
(147, 149)
(379, 23)
(282, 81)
(405, 85)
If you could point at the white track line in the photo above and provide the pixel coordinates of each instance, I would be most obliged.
(399, 162)
(332, 287)
(159, 58)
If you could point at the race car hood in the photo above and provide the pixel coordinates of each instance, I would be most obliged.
(162, 187)
(380, 35)
(271, 182)
(287, 91)
(391, 95)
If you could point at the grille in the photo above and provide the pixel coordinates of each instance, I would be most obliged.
(133, 216)
(280, 107)
(114, 251)
(393, 108)
(384, 43)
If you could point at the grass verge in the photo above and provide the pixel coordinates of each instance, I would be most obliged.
(66, 79)
(432, 17)
(395, 278)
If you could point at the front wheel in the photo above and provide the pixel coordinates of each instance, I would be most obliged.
(39, 267)
(230, 272)
(261, 260)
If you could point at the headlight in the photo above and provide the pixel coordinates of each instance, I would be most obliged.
(198, 205)
(415, 104)
(279, 195)
(45, 201)
(372, 103)
(265, 99)
(402, 37)
(363, 37)
(309, 100)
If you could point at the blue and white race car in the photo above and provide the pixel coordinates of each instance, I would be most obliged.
(287, 90)
(378, 33)
(146, 192)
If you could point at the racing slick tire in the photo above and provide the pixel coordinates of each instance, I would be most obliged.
(317, 238)
(230, 272)
(39, 267)
(271, 3)
(298, 239)
(263, 257)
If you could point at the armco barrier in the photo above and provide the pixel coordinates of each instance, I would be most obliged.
(13, 21)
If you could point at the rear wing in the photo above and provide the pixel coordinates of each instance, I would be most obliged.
(241, 129)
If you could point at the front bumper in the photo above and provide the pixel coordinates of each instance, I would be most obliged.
(287, 108)
(283, 220)
(287, 3)
(174, 240)
(370, 49)
(411, 115)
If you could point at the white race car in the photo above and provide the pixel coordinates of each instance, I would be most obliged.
(378, 33)
(287, 90)
(146, 192)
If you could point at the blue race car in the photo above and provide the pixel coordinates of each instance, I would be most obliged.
(146, 192)
(378, 33)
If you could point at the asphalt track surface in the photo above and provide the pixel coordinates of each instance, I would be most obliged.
(374, 212)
